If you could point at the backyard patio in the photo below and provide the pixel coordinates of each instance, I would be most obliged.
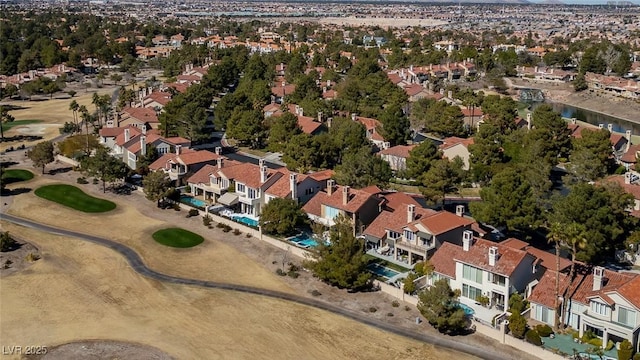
(566, 344)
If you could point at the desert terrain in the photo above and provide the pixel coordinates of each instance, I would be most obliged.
(380, 21)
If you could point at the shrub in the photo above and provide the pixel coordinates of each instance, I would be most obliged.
(7, 264)
(626, 348)
(31, 257)
(293, 274)
(373, 309)
(193, 212)
(7, 242)
(544, 330)
(517, 325)
(220, 225)
(395, 303)
(609, 346)
(574, 333)
(293, 267)
(82, 180)
(596, 342)
(281, 272)
(407, 308)
(206, 220)
(176, 207)
(315, 293)
(636, 356)
(226, 228)
(587, 336)
(390, 314)
(236, 232)
(248, 235)
(483, 300)
(533, 337)
(95, 181)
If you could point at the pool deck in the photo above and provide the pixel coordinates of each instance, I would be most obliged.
(481, 312)
(390, 259)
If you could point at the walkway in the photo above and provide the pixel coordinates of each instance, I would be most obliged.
(136, 263)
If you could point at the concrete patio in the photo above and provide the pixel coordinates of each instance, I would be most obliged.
(566, 344)
(486, 315)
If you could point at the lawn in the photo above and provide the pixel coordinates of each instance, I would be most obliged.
(15, 175)
(74, 198)
(178, 238)
(8, 125)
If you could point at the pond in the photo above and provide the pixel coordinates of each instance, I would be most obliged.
(594, 117)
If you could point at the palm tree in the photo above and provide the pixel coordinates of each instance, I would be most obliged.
(4, 117)
(95, 101)
(74, 106)
(555, 235)
(84, 114)
(575, 238)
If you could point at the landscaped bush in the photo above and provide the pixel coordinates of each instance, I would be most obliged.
(293, 274)
(293, 267)
(533, 337)
(596, 342)
(236, 232)
(626, 348)
(176, 207)
(373, 309)
(390, 314)
(31, 257)
(407, 308)
(395, 303)
(517, 325)
(574, 333)
(636, 356)
(610, 345)
(544, 330)
(587, 336)
(315, 292)
(248, 235)
(193, 212)
(206, 220)
(281, 272)
(220, 225)
(7, 264)
(82, 180)
(96, 181)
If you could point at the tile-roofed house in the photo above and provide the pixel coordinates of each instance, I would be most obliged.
(139, 117)
(184, 162)
(282, 90)
(630, 157)
(472, 116)
(156, 99)
(397, 156)
(454, 146)
(630, 183)
(299, 187)
(603, 301)
(547, 259)
(371, 130)
(480, 267)
(618, 141)
(359, 206)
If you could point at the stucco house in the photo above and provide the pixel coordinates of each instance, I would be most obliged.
(184, 162)
(455, 146)
(397, 156)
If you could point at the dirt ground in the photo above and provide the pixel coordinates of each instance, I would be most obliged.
(222, 257)
(101, 350)
(16, 260)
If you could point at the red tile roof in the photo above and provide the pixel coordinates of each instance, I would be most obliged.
(441, 222)
(308, 124)
(632, 189)
(394, 220)
(202, 176)
(186, 157)
(323, 175)
(454, 140)
(630, 156)
(399, 200)
(442, 259)
(414, 89)
(356, 200)
(547, 259)
(142, 114)
(281, 91)
(398, 150)
(472, 112)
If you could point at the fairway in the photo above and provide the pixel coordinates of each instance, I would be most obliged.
(8, 125)
(178, 238)
(74, 198)
(15, 175)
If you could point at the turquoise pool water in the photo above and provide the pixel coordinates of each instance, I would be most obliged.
(467, 310)
(189, 200)
(245, 220)
(304, 240)
(382, 271)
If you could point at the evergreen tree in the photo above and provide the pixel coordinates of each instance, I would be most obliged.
(438, 304)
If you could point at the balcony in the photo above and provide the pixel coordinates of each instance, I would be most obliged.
(410, 246)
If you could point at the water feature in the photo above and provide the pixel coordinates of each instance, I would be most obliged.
(594, 117)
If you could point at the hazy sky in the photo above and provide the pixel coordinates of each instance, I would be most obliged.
(588, 2)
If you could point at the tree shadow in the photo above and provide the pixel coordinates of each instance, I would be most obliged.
(13, 247)
(6, 164)
(60, 170)
(17, 191)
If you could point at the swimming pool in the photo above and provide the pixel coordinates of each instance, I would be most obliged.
(245, 220)
(467, 310)
(383, 271)
(190, 200)
(304, 240)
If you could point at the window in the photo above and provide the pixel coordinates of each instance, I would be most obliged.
(240, 188)
(497, 279)
(393, 234)
(472, 273)
(330, 212)
(308, 191)
(542, 314)
(253, 194)
(626, 316)
(599, 308)
(471, 292)
(409, 235)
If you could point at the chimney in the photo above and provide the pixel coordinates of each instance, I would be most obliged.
(441, 91)
(284, 83)
(493, 255)
(450, 94)
(598, 278)
(467, 240)
(143, 145)
(328, 83)
(127, 135)
(320, 116)
(353, 116)
(529, 120)
(178, 148)
(329, 121)
(610, 127)
(293, 186)
(345, 195)
(330, 184)
(600, 126)
(460, 210)
(627, 178)
(144, 129)
(263, 174)
(574, 121)
(218, 150)
(220, 165)
(627, 135)
(411, 213)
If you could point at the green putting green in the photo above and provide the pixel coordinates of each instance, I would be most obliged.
(8, 125)
(11, 176)
(74, 198)
(178, 238)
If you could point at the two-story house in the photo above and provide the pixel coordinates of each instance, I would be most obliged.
(360, 206)
(484, 268)
(421, 235)
(372, 127)
(602, 301)
(397, 156)
(184, 162)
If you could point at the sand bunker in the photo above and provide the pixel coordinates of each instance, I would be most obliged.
(35, 129)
